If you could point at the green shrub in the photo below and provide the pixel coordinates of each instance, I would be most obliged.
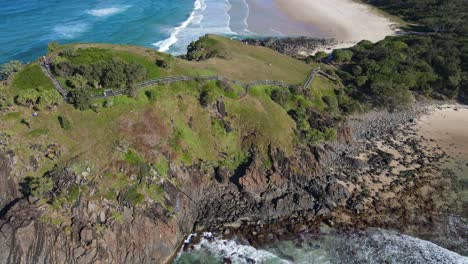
(53, 46)
(48, 98)
(39, 187)
(27, 97)
(64, 123)
(329, 134)
(73, 193)
(152, 95)
(162, 168)
(10, 68)
(133, 158)
(207, 96)
(108, 103)
(281, 96)
(133, 196)
(341, 55)
(80, 98)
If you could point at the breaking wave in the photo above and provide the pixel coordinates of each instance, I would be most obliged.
(208, 16)
(103, 12)
(372, 246)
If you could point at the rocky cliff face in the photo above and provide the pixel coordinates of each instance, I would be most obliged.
(350, 183)
(254, 193)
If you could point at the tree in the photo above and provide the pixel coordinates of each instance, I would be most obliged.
(281, 96)
(80, 98)
(320, 55)
(10, 68)
(63, 68)
(341, 56)
(77, 82)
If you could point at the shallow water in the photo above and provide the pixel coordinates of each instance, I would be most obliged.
(371, 246)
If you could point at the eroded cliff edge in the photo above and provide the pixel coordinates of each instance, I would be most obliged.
(379, 173)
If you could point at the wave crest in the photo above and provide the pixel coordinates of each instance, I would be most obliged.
(102, 12)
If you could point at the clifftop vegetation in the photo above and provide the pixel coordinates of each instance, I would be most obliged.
(122, 147)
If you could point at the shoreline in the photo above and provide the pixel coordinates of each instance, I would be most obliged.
(408, 190)
(346, 22)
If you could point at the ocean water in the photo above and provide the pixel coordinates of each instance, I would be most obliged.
(371, 246)
(27, 26)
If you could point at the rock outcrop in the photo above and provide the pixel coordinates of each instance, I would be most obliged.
(358, 181)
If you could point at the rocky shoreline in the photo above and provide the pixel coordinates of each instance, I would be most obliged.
(379, 173)
(299, 48)
(405, 187)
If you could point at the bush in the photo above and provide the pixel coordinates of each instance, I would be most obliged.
(5, 99)
(341, 56)
(133, 158)
(10, 68)
(39, 187)
(319, 56)
(80, 98)
(64, 123)
(113, 73)
(48, 98)
(329, 134)
(53, 46)
(207, 96)
(27, 97)
(281, 96)
(108, 103)
(133, 196)
(73, 193)
(162, 63)
(152, 95)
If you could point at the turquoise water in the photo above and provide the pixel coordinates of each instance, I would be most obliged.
(27, 26)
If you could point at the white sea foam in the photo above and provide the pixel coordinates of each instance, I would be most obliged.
(166, 44)
(237, 252)
(374, 246)
(103, 12)
(70, 31)
(247, 17)
(207, 16)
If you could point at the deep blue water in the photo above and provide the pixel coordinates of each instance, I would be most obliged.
(27, 26)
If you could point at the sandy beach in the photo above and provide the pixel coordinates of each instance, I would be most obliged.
(447, 125)
(344, 20)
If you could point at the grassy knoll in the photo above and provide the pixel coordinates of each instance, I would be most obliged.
(238, 61)
(31, 77)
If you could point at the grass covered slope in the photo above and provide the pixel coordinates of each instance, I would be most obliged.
(236, 60)
(30, 77)
(124, 146)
